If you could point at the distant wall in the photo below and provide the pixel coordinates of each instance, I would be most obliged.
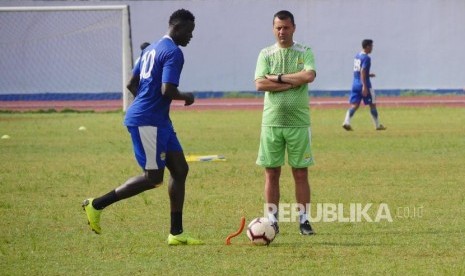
(418, 44)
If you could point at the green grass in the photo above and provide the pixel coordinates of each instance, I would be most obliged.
(49, 167)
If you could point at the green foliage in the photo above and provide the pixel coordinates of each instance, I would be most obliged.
(49, 167)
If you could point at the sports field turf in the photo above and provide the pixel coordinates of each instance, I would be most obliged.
(416, 168)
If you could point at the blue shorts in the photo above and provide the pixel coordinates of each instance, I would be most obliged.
(356, 97)
(151, 145)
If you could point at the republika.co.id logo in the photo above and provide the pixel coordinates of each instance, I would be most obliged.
(333, 212)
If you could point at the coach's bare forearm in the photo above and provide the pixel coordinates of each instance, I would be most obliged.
(299, 78)
(271, 82)
(271, 86)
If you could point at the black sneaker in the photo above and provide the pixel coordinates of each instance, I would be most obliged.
(276, 227)
(306, 228)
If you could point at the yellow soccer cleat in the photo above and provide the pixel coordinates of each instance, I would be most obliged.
(183, 239)
(93, 215)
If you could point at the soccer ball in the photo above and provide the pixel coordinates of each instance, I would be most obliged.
(261, 231)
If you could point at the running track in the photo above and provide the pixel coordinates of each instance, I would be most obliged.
(231, 104)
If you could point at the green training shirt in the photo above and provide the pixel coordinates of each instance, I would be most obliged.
(288, 108)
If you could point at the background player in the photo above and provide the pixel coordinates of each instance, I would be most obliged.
(361, 87)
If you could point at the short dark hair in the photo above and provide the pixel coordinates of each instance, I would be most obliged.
(283, 15)
(144, 45)
(181, 15)
(366, 43)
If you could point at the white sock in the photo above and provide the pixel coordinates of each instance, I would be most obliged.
(303, 217)
(375, 121)
(375, 117)
(347, 119)
(272, 217)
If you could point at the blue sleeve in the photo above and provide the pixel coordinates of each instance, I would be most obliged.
(172, 67)
(366, 63)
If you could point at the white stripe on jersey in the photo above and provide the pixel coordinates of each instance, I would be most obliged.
(148, 136)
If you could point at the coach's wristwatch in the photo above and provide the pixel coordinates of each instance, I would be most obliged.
(279, 77)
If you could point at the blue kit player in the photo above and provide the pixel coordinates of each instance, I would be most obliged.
(155, 85)
(361, 87)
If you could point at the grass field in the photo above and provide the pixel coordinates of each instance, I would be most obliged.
(416, 167)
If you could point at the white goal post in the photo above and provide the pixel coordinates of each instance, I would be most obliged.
(61, 52)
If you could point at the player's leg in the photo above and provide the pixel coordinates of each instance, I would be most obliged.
(133, 186)
(349, 114)
(375, 117)
(302, 194)
(354, 100)
(178, 167)
(147, 151)
(138, 184)
(271, 157)
(272, 192)
(148, 148)
(371, 100)
(302, 190)
(300, 158)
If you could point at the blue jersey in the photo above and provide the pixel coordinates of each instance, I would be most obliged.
(160, 63)
(361, 62)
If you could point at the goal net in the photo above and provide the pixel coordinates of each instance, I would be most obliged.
(65, 53)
